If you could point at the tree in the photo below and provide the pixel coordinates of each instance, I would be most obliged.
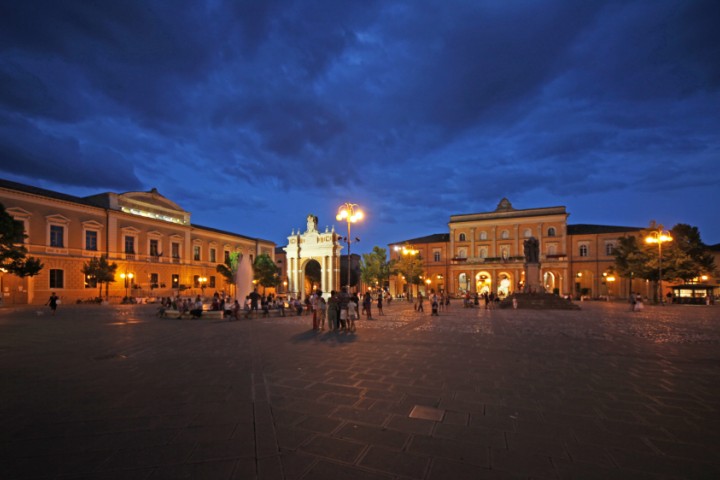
(13, 254)
(102, 271)
(265, 272)
(375, 267)
(229, 269)
(683, 258)
(410, 266)
(689, 256)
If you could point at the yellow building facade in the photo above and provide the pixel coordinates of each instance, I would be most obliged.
(159, 252)
(484, 253)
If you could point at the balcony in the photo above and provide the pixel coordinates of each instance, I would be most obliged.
(486, 260)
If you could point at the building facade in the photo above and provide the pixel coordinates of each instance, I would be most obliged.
(484, 253)
(159, 252)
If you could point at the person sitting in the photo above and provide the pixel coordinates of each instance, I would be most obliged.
(197, 309)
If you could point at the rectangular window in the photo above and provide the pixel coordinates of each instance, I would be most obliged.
(211, 282)
(154, 252)
(583, 250)
(196, 281)
(91, 240)
(227, 256)
(129, 244)
(154, 280)
(57, 236)
(196, 253)
(609, 249)
(212, 255)
(175, 250)
(57, 278)
(436, 256)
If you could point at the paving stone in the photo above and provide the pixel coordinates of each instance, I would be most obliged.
(524, 393)
(396, 463)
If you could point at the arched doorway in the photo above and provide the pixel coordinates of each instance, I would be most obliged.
(504, 284)
(483, 283)
(549, 282)
(313, 276)
(463, 283)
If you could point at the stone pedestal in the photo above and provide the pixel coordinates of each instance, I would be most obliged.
(532, 278)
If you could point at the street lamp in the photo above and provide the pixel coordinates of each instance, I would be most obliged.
(351, 213)
(127, 277)
(203, 281)
(659, 237)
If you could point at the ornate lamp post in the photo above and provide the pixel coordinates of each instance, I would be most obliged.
(351, 213)
(659, 237)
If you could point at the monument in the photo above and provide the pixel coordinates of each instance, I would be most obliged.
(532, 266)
(313, 253)
(533, 295)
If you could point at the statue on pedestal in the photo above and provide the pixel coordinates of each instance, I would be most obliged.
(532, 250)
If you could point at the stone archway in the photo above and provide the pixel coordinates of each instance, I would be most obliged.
(483, 283)
(312, 245)
(312, 272)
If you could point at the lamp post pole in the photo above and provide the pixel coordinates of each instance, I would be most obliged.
(659, 237)
(351, 213)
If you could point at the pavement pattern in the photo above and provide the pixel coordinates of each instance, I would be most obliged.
(114, 392)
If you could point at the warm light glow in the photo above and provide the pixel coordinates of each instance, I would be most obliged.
(658, 237)
(349, 213)
(704, 278)
(427, 281)
(579, 274)
(610, 278)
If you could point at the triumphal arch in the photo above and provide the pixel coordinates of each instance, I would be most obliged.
(313, 260)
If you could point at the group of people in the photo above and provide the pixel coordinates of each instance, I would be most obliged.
(488, 299)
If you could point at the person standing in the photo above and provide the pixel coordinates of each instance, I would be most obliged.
(332, 311)
(53, 302)
(420, 302)
(380, 303)
(367, 305)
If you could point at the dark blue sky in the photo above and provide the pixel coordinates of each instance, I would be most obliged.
(252, 114)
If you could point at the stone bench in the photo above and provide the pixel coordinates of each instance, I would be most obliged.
(211, 314)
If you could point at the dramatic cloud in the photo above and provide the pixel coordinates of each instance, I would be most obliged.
(253, 114)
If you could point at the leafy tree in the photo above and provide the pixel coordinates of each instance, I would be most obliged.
(410, 266)
(375, 267)
(229, 269)
(13, 254)
(265, 272)
(683, 258)
(689, 256)
(103, 271)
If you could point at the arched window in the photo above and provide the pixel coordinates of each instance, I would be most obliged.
(461, 237)
(483, 235)
(483, 252)
(527, 233)
(505, 235)
(552, 250)
(551, 232)
(462, 253)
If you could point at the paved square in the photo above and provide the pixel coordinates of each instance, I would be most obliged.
(116, 392)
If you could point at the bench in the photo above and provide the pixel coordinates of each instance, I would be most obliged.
(211, 314)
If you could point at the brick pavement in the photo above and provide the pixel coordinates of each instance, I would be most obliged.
(115, 392)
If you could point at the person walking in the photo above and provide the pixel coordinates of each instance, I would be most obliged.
(53, 302)
(322, 312)
(380, 303)
(420, 303)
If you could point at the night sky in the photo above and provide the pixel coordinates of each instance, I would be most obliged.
(253, 114)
